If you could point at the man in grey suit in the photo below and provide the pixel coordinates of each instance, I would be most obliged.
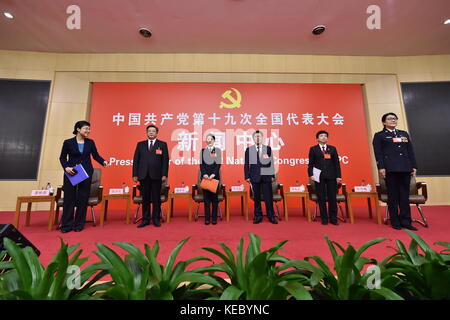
(260, 173)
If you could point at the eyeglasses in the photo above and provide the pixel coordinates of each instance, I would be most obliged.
(391, 119)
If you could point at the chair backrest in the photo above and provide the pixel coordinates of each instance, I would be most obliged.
(312, 187)
(412, 185)
(275, 188)
(96, 182)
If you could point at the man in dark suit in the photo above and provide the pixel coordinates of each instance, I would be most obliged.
(325, 158)
(210, 161)
(259, 172)
(150, 168)
(396, 163)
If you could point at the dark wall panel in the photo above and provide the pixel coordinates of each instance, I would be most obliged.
(427, 106)
(23, 107)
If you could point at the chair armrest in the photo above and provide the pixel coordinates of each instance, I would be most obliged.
(58, 193)
(134, 191)
(344, 189)
(378, 188)
(100, 193)
(281, 190)
(423, 186)
(194, 190)
(224, 191)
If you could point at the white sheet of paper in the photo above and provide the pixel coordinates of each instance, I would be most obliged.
(316, 174)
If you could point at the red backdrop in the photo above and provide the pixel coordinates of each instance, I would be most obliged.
(288, 114)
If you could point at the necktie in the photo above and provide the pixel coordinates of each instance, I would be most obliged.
(151, 145)
(323, 149)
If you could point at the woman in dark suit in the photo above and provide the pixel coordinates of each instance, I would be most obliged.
(77, 150)
(396, 163)
(210, 160)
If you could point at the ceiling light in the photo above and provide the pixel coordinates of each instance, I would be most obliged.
(8, 15)
(447, 21)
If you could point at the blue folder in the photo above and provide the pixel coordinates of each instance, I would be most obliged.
(81, 175)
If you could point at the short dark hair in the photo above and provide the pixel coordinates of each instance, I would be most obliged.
(211, 135)
(320, 132)
(152, 126)
(80, 124)
(256, 132)
(383, 118)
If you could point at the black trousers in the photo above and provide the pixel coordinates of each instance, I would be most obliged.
(397, 184)
(267, 196)
(151, 193)
(326, 190)
(75, 196)
(210, 197)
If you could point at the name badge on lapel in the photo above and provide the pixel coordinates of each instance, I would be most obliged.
(327, 156)
(265, 156)
(158, 151)
(397, 140)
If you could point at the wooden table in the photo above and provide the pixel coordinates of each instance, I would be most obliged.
(30, 200)
(244, 202)
(368, 195)
(172, 195)
(305, 200)
(104, 210)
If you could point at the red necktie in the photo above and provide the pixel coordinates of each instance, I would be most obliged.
(151, 146)
(323, 149)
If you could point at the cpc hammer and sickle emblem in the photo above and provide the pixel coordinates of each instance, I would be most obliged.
(235, 102)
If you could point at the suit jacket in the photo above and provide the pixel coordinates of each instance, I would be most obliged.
(71, 156)
(394, 156)
(210, 164)
(259, 168)
(150, 162)
(331, 168)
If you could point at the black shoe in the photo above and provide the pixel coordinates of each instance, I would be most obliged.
(65, 230)
(156, 223)
(273, 220)
(324, 222)
(410, 227)
(207, 222)
(397, 227)
(78, 229)
(334, 223)
(214, 222)
(143, 224)
(257, 220)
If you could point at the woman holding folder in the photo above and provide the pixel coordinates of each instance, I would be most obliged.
(210, 160)
(77, 150)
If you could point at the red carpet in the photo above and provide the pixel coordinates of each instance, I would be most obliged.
(305, 238)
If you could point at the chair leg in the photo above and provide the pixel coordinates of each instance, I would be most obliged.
(386, 218)
(424, 220)
(162, 216)
(278, 211)
(315, 212)
(93, 216)
(342, 214)
(220, 212)
(136, 215)
(196, 212)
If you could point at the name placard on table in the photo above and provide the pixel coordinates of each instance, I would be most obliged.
(237, 188)
(116, 191)
(363, 188)
(181, 190)
(297, 189)
(40, 192)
